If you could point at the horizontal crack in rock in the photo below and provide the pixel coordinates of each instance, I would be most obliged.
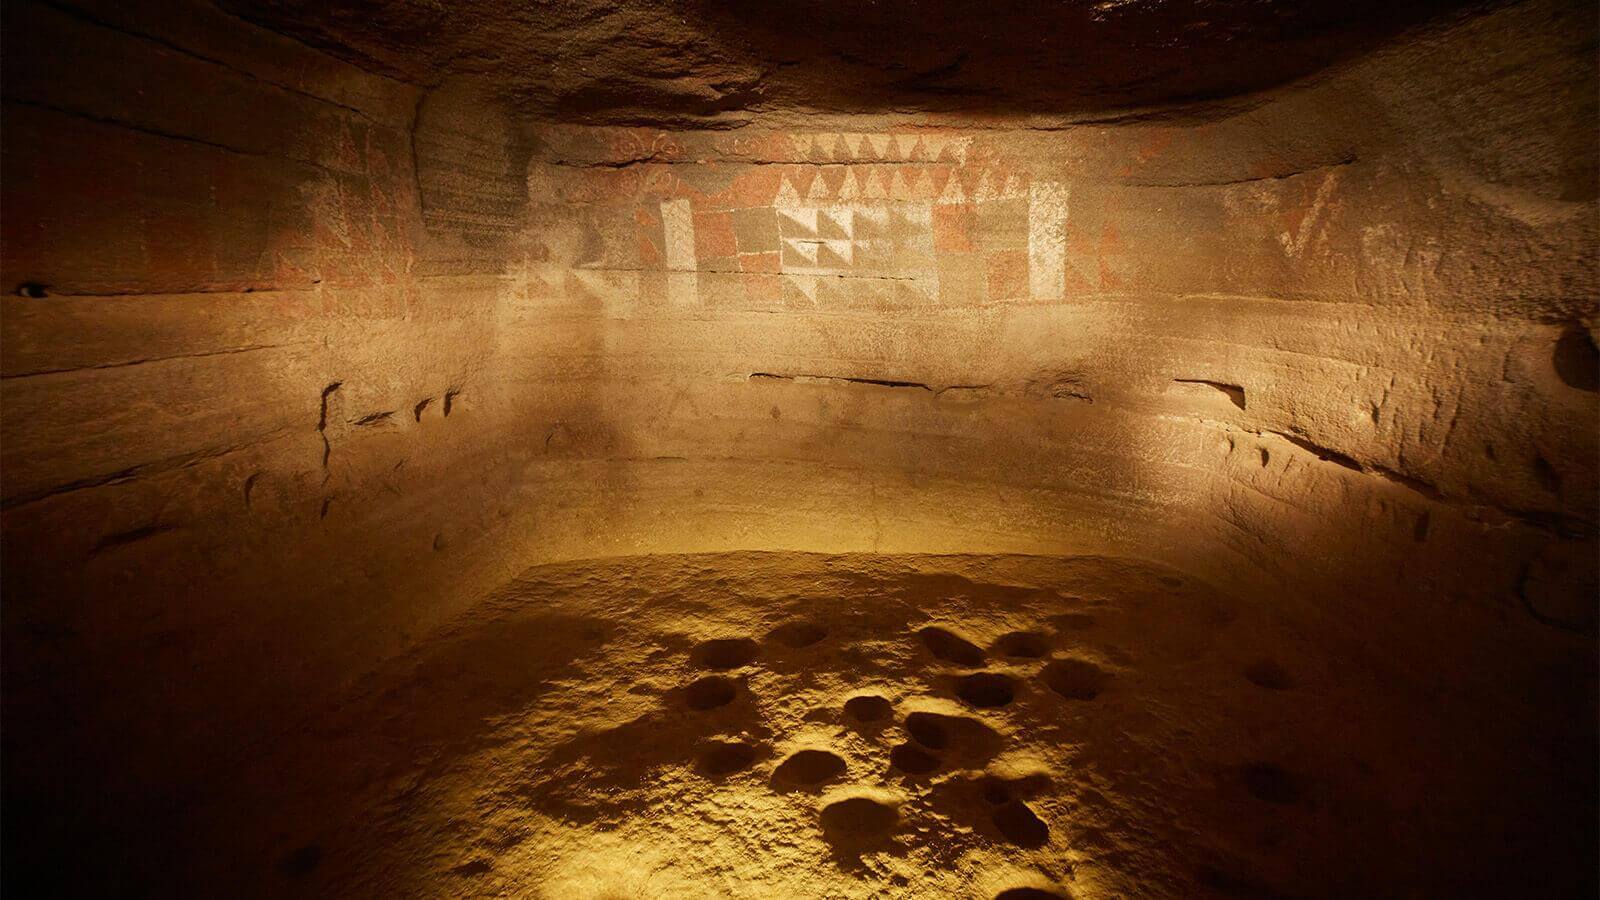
(846, 379)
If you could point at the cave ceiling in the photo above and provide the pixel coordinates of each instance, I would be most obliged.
(721, 62)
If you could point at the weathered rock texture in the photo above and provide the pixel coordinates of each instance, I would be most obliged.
(723, 64)
(796, 725)
(324, 321)
(250, 324)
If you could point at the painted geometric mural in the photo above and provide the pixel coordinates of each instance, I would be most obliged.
(831, 220)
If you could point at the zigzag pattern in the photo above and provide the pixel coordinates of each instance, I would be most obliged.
(902, 184)
(917, 146)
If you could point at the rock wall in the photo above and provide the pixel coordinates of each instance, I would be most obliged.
(1342, 335)
(250, 418)
(300, 360)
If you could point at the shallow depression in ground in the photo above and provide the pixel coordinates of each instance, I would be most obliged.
(761, 725)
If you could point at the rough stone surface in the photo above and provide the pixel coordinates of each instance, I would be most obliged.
(550, 744)
(724, 63)
(323, 322)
